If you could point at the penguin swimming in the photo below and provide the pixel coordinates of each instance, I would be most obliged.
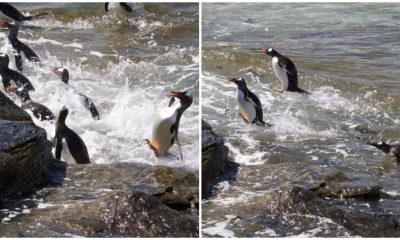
(166, 125)
(87, 102)
(249, 104)
(123, 5)
(10, 13)
(8, 74)
(386, 148)
(38, 110)
(19, 46)
(73, 142)
(285, 70)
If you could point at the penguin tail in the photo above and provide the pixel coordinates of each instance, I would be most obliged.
(299, 90)
(262, 123)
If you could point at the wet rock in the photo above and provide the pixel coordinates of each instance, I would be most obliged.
(214, 159)
(10, 111)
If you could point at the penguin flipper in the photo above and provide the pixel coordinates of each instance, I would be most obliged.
(126, 7)
(58, 146)
(91, 107)
(18, 62)
(106, 6)
(10, 10)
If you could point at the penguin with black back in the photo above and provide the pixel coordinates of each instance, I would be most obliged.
(63, 74)
(166, 125)
(123, 5)
(10, 13)
(9, 75)
(19, 46)
(386, 148)
(285, 70)
(73, 142)
(250, 106)
(38, 110)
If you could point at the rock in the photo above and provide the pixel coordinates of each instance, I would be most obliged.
(128, 200)
(10, 111)
(214, 159)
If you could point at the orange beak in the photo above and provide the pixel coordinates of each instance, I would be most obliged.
(54, 69)
(4, 24)
(232, 80)
(264, 50)
(12, 89)
(175, 94)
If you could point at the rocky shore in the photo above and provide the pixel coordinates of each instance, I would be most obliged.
(41, 197)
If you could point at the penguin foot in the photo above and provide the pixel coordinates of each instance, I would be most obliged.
(275, 89)
(154, 146)
(244, 116)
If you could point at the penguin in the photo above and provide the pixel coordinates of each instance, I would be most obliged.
(38, 110)
(10, 13)
(285, 70)
(19, 46)
(166, 125)
(249, 104)
(73, 142)
(123, 5)
(87, 102)
(8, 74)
(386, 148)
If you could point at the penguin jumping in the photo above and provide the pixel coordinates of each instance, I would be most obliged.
(19, 46)
(386, 148)
(74, 143)
(166, 125)
(10, 13)
(285, 70)
(249, 104)
(38, 110)
(87, 102)
(8, 74)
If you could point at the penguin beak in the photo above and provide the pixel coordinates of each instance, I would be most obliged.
(264, 50)
(12, 89)
(372, 143)
(176, 94)
(4, 24)
(234, 80)
(54, 70)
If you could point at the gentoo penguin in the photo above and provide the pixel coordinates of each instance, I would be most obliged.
(87, 102)
(386, 148)
(10, 13)
(74, 143)
(18, 46)
(38, 110)
(285, 70)
(123, 5)
(166, 125)
(8, 74)
(249, 104)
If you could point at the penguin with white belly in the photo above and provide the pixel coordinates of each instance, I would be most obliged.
(66, 138)
(285, 70)
(9, 75)
(250, 106)
(166, 125)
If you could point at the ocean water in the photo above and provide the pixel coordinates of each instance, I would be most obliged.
(346, 54)
(127, 64)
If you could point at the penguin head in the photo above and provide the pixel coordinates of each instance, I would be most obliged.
(380, 145)
(63, 115)
(185, 98)
(270, 51)
(62, 73)
(240, 82)
(22, 94)
(4, 60)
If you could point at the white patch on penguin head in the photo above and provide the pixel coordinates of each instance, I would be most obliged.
(379, 143)
(270, 50)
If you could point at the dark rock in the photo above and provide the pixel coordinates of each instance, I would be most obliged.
(10, 111)
(214, 159)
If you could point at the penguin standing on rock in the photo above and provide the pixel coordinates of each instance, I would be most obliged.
(8, 74)
(74, 144)
(166, 125)
(19, 46)
(64, 76)
(285, 70)
(386, 148)
(249, 104)
(38, 110)
(10, 13)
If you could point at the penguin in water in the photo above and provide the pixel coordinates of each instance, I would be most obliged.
(19, 46)
(38, 110)
(386, 148)
(8, 74)
(249, 104)
(10, 13)
(64, 76)
(73, 142)
(123, 5)
(285, 70)
(166, 125)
